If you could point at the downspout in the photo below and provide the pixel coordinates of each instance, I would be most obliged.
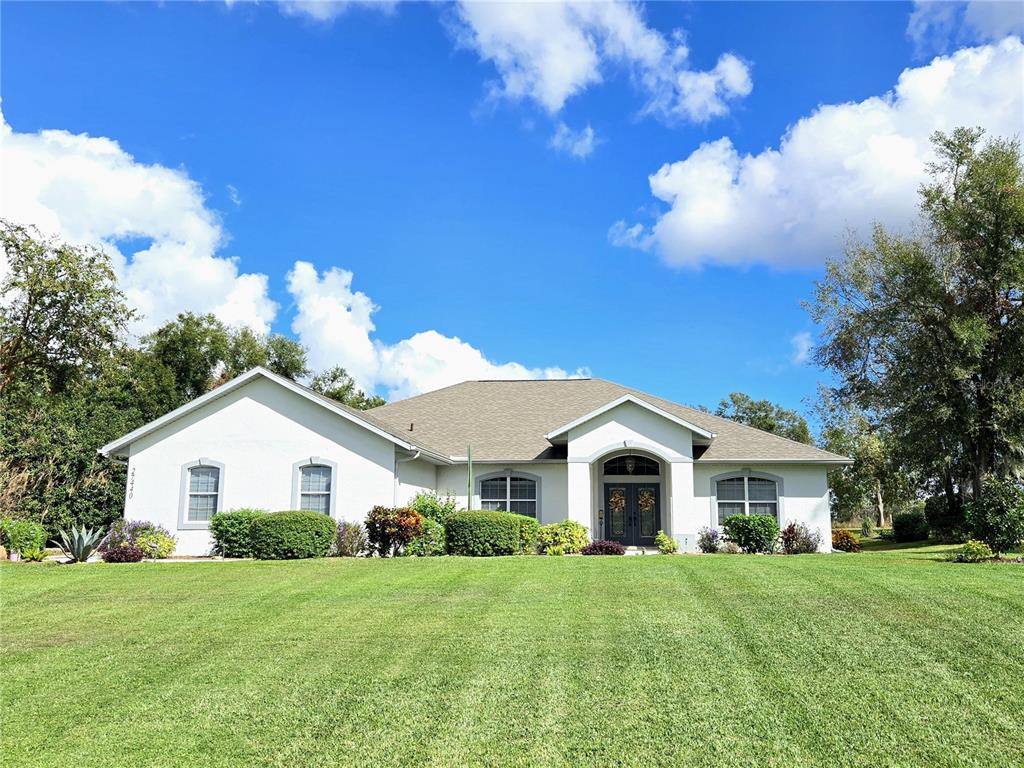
(394, 499)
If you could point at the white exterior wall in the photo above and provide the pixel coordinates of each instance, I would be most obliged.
(258, 432)
(554, 494)
(803, 495)
(414, 477)
(634, 427)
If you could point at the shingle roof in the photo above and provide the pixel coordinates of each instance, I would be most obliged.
(507, 421)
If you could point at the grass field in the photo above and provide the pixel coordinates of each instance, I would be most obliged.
(880, 659)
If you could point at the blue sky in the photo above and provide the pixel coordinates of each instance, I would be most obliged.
(399, 143)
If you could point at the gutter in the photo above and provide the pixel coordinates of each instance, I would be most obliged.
(394, 497)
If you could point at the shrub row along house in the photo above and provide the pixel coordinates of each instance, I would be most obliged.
(622, 463)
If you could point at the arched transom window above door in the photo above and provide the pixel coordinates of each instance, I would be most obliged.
(632, 465)
(746, 495)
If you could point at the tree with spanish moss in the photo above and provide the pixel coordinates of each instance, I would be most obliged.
(927, 330)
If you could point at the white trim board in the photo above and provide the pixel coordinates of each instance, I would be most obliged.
(628, 398)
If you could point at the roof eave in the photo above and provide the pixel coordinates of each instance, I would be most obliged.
(841, 461)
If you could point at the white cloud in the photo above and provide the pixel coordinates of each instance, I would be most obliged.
(844, 166)
(579, 143)
(549, 52)
(328, 10)
(233, 196)
(89, 190)
(336, 323)
(934, 25)
(802, 345)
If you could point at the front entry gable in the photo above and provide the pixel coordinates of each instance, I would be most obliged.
(629, 422)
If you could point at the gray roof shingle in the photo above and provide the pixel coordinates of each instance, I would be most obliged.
(507, 421)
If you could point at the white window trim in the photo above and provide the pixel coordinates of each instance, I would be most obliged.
(507, 473)
(184, 524)
(746, 474)
(314, 461)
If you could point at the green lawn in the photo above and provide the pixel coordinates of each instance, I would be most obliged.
(872, 659)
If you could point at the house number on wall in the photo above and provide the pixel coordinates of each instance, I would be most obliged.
(131, 483)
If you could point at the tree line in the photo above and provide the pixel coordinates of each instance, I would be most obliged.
(72, 378)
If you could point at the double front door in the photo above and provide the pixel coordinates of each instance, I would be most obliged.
(632, 513)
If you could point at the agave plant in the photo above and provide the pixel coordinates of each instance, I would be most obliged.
(80, 543)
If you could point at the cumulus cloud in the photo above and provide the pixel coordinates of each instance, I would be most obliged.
(152, 220)
(802, 345)
(335, 322)
(935, 25)
(840, 168)
(549, 52)
(579, 143)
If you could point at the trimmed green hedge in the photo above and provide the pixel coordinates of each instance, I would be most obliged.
(486, 534)
(752, 533)
(910, 526)
(291, 535)
(232, 532)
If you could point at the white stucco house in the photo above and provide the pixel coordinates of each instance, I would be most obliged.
(623, 463)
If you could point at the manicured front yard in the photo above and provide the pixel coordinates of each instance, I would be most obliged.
(872, 659)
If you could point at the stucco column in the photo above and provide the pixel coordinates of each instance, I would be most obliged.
(580, 507)
(684, 523)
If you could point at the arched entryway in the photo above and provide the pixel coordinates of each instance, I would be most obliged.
(631, 498)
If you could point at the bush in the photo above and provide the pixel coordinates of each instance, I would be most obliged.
(291, 535)
(753, 533)
(351, 540)
(232, 532)
(149, 538)
(390, 529)
(123, 552)
(529, 532)
(997, 518)
(33, 554)
(797, 539)
(433, 506)
(22, 536)
(971, 552)
(156, 542)
(555, 550)
(729, 548)
(666, 544)
(866, 527)
(708, 540)
(910, 526)
(429, 543)
(944, 523)
(569, 535)
(844, 541)
(603, 547)
(486, 534)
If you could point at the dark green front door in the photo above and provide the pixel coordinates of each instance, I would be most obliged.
(632, 513)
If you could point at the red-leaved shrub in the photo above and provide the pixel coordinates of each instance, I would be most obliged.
(844, 541)
(390, 529)
(603, 547)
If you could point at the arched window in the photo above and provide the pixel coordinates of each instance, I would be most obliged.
(510, 492)
(632, 465)
(315, 488)
(745, 495)
(203, 490)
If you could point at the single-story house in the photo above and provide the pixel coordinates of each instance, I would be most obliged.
(623, 463)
